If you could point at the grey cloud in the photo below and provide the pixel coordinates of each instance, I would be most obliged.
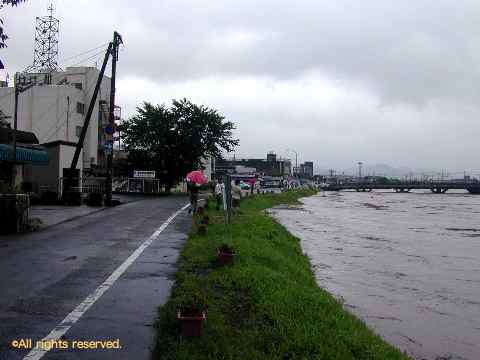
(409, 51)
(412, 67)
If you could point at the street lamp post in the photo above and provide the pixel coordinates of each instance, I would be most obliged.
(296, 161)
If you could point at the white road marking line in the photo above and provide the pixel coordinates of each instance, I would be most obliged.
(82, 308)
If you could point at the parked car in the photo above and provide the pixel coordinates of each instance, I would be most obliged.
(244, 186)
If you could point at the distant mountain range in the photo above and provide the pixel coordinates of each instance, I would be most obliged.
(379, 170)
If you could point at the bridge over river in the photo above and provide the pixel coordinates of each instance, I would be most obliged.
(436, 186)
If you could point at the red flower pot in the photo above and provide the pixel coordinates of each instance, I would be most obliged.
(191, 323)
(225, 256)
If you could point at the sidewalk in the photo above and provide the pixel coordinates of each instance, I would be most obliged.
(51, 215)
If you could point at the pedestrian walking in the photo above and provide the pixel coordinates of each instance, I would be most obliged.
(193, 191)
(219, 188)
(236, 194)
(195, 179)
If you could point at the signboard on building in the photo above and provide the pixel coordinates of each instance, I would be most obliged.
(144, 174)
(27, 79)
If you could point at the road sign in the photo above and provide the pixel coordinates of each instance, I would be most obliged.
(108, 147)
(144, 174)
(110, 129)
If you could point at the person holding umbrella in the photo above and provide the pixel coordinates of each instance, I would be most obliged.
(194, 180)
(252, 182)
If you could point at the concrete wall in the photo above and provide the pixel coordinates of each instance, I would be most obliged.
(60, 156)
(44, 176)
(66, 156)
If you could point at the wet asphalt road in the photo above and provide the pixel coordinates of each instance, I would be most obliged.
(45, 275)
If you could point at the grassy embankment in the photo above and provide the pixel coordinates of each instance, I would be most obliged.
(267, 305)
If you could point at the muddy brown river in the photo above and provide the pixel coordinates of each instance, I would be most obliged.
(407, 264)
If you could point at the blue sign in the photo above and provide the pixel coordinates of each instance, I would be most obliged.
(110, 129)
(108, 147)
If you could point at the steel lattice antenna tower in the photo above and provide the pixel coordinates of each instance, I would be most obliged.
(45, 57)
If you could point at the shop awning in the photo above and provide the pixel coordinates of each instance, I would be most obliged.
(24, 155)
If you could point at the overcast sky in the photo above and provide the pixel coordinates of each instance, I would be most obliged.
(378, 81)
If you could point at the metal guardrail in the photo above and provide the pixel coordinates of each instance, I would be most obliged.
(83, 185)
(137, 185)
(87, 185)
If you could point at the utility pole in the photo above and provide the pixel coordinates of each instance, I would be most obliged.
(14, 139)
(68, 114)
(18, 90)
(88, 116)
(360, 170)
(117, 40)
(296, 162)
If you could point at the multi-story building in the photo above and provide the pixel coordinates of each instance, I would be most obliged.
(271, 166)
(306, 169)
(55, 112)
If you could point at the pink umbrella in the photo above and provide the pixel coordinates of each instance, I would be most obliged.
(197, 177)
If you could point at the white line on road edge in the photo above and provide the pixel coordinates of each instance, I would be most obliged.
(65, 325)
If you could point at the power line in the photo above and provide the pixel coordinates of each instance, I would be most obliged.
(82, 53)
(91, 57)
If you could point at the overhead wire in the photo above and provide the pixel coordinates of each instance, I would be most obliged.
(64, 60)
(89, 58)
(48, 132)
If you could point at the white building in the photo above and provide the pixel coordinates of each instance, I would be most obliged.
(55, 113)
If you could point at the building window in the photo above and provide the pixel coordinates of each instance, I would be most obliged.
(80, 108)
(79, 86)
(78, 130)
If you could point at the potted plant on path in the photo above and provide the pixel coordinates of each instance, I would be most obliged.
(192, 314)
(225, 254)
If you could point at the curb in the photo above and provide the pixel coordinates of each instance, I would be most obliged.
(85, 215)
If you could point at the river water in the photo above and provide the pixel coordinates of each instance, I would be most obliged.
(407, 264)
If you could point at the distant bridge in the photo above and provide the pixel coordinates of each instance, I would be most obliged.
(435, 186)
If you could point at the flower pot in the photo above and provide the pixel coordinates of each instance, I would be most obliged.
(94, 199)
(191, 323)
(73, 198)
(202, 229)
(225, 256)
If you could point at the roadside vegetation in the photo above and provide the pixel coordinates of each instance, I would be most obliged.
(174, 140)
(266, 305)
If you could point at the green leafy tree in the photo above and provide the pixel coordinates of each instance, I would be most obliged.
(172, 141)
(3, 35)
